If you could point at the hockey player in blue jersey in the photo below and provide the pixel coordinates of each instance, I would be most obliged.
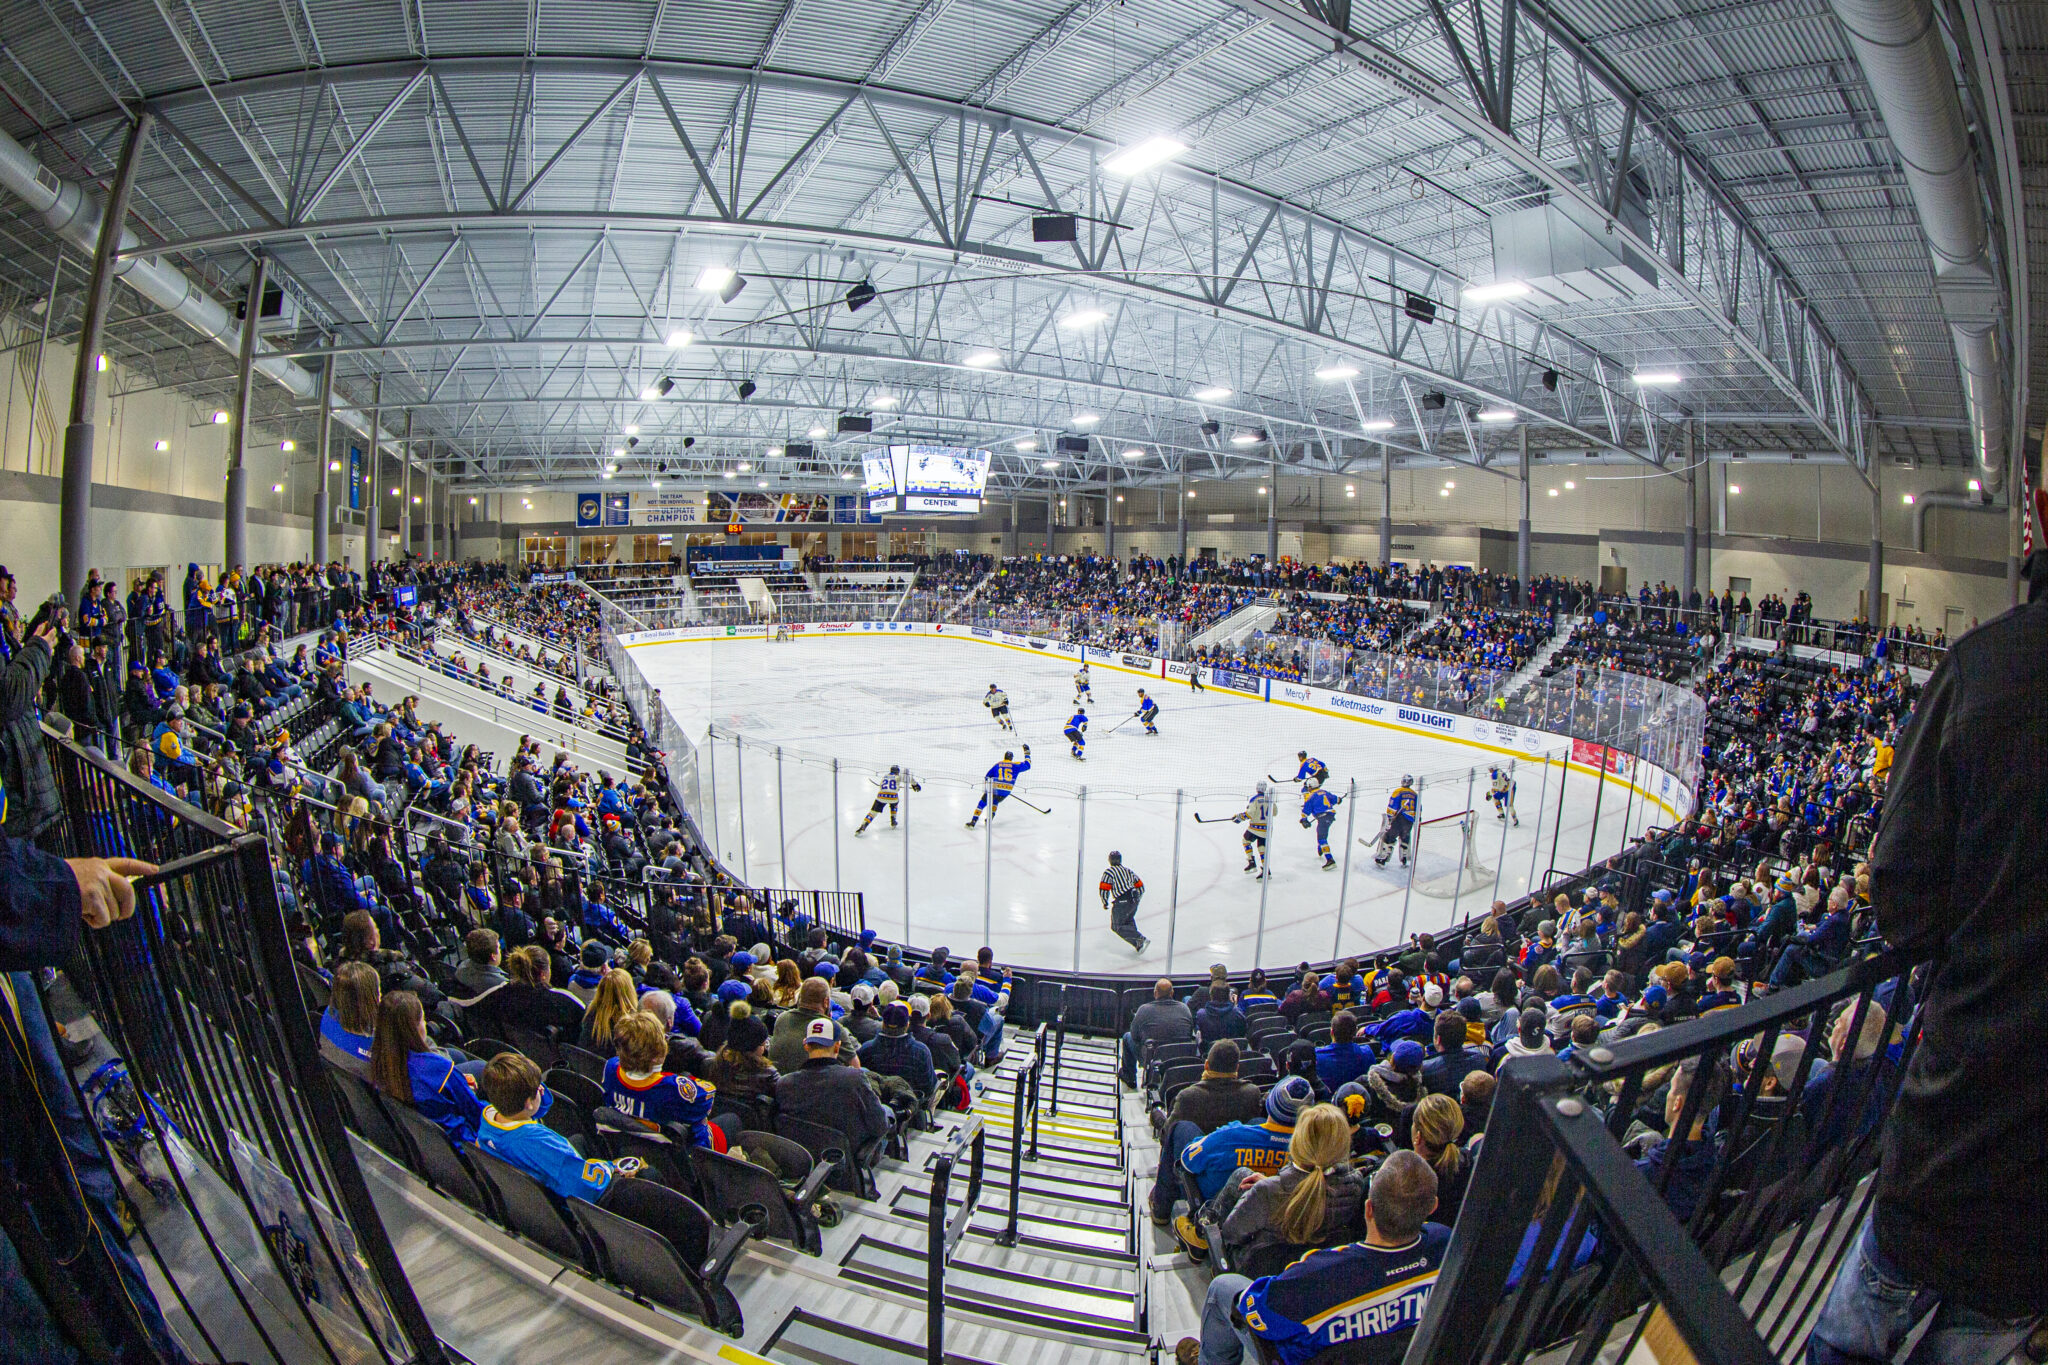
(1077, 732)
(1399, 825)
(1001, 779)
(891, 791)
(1148, 711)
(1319, 806)
(1500, 790)
(1312, 769)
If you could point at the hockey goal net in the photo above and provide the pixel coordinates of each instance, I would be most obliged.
(1451, 842)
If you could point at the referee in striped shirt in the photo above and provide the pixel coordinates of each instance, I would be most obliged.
(1121, 889)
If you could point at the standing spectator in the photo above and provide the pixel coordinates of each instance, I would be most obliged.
(24, 768)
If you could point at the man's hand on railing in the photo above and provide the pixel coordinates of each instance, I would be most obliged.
(106, 892)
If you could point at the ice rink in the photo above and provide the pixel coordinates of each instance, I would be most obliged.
(805, 727)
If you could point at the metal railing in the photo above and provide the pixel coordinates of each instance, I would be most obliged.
(943, 1235)
(1728, 1231)
(1025, 1096)
(252, 1186)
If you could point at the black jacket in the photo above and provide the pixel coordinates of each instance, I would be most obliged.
(1959, 867)
(827, 1093)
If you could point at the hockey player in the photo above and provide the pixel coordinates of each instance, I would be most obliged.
(1148, 711)
(1077, 732)
(1081, 687)
(1399, 824)
(1257, 818)
(1311, 770)
(1002, 779)
(886, 797)
(1501, 791)
(998, 703)
(1320, 806)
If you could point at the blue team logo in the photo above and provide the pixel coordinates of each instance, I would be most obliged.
(589, 511)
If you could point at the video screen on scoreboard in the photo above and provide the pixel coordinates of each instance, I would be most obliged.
(880, 480)
(941, 479)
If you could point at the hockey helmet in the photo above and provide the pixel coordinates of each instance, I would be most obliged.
(1407, 780)
(1311, 784)
(1301, 754)
(895, 768)
(1262, 789)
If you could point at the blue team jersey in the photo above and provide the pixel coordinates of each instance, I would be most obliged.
(1345, 1294)
(1148, 708)
(545, 1155)
(1312, 767)
(1077, 720)
(1402, 802)
(1347, 995)
(1319, 803)
(1212, 1157)
(1006, 773)
(669, 1097)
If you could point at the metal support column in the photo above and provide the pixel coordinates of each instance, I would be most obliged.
(1181, 515)
(405, 491)
(433, 522)
(1273, 507)
(1386, 505)
(1873, 611)
(1049, 510)
(372, 483)
(1109, 512)
(74, 524)
(235, 541)
(1010, 545)
(321, 513)
(1690, 579)
(1522, 579)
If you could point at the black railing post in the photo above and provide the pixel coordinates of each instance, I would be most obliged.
(1024, 1096)
(1059, 1041)
(935, 1260)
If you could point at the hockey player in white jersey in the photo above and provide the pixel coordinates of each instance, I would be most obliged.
(1500, 790)
(886, 798)
(998, 703)
(1082, 691)
(1257, 819)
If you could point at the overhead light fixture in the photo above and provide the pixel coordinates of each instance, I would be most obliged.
(1048, 464)
(714, 278)
(279, 488)
(1495, 292)
(1086, 317)
(611, 467)
(394, 493)
(847, 474)
(472, 502)
(1550, 378)
(606, 474)
(1976, 487)
(1191, 495)
(1905, 498)
(102, 362)
(1334, 372)
(1649, 379)
(1433, 401)
(415, 497)
(649, 394)
(526, 502)
(334, 467)
(1569, 483)
(1420, 308)
(762, 484)
(981, 360)
(220, 417)
(1085, 419)
(773, 453)
(1378, 424)
(619, 454)
(744, 467)
(678, 339)
(883, 400)
(730, 475)
(1134, 454)
(1215, 393)
(815, 432)
(1443, 492)
(1211, 427)
(860, 296)
(1496, 414)
(1143, 156)
(1450, 483)
(1350, 491)
(631, 429)
(1262, 490)
(162, 446)
(287, 446)
(747, 389)
(1735, 488)
(1553, 492)
(1245, 438)
(1026, 444)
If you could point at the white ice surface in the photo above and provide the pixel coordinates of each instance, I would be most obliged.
(869, 702)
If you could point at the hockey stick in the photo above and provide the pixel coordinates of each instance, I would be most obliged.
(1276, 780)
(1202, 819)
(1028, 806)
(1119, 725)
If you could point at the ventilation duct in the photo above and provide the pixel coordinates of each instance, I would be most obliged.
(75, 213)
(1907, 68)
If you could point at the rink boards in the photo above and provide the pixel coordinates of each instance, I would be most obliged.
(1648, 781)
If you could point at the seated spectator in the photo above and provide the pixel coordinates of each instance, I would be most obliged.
(1372, 1289)
(1209, 1161)
(1433, 1132)
(893, 1052)
(508, 1130)
(1475, 1099)
(1219, 1017)
(1454, 1059)
(638, 1085)
(1218, 1098)
(1693, 1156)
(1307, 997)
(1315, 1199)
(1846, 1098)
(786, 1046)
(826, 1092)
(348, 1026)
(1343, 1059)
(480, 970)
(1532, 1037)
(1162, 1019)
(527, 1000)
(614, 1000)
(1396, 1083)
(410, 1069)
(741, 1070)
(1589, 1244)
(592, 962)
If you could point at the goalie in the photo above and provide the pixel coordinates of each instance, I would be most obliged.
(1399, 824)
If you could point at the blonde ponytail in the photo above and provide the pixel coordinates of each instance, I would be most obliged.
(1321, 1143)
(1437, 1124)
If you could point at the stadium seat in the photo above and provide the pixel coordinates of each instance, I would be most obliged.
(364, 1110)
(734, 1188)
(529, 1209)
(663, 1247)
(853, 1170)
(441, 1163)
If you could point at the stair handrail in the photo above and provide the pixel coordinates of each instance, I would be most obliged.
(943, 1234)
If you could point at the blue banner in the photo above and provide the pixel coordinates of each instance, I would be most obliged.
(589, 510)
(618, 509)
(355, 479)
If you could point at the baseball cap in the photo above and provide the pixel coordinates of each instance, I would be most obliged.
(1655, 996)
(826, 970)
(1406, 1055)
(1285, 1101)
(1785, 1058)
(594, 955)
(733, 989)
(1533, 1021)
(919, 1003)
(820, 1033)
(863, 994)
(895, 1018)
(1471, 1008)
(1432, 995)
(741, 961)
